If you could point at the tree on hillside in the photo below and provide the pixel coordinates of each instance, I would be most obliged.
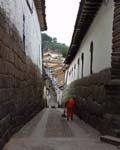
(46, 37)
(52, 44)
(54, 40)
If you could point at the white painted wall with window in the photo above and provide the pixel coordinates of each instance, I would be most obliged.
(15, 10)
(100, 32)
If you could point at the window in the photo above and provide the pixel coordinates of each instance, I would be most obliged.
(75, 66)
(74, 70)
(69, 73)
(66, 77)
(39, 55)
(24, 31)
(29, 6)
(82, 58)
(78, 62)
(91, 57)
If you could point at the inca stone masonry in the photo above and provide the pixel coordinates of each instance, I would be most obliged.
(21, 84)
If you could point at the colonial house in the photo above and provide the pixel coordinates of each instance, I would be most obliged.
(91, 46)
(21, 83)
(50, 54)
(93, 62)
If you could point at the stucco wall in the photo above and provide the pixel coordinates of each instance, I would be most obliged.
(15, 9)
(100, 32)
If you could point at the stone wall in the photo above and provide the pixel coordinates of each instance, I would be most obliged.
(21, 85)
(92, 101)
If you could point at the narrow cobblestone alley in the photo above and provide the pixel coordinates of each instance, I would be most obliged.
(49, 131)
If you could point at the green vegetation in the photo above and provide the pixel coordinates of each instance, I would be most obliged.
(52, 44)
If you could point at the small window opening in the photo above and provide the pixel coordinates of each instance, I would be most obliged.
(91, 57)
(29, 6)
(24, 31)
(82, 58)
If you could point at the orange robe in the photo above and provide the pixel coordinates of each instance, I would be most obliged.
(70, 105)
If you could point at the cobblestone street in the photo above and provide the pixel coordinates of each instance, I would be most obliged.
(49, 131)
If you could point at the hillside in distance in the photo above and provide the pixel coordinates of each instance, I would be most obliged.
(51, 43)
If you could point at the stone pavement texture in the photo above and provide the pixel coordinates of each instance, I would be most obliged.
(49, 131)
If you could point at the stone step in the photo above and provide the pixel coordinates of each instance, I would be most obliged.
(114, 82)
(113, 97)
(110, 140)
(113, 76)
(112, 93)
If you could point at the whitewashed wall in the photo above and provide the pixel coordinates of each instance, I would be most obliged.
(15, 10)
(100, 32)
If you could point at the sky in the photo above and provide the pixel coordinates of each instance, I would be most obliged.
(61, 16)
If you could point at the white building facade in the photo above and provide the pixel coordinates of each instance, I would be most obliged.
(25, 17)
(94, 59)
(94, 52)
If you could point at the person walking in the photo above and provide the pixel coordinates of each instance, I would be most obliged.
(69, 104)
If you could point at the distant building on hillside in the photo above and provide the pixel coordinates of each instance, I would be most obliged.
(50, 54)
(53, 65)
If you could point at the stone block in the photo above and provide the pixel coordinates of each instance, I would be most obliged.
(4, 96)
(2, 31)
(4, 81)
(4, 124)
(110, 140)
(5, 109)
(1, 50)
(11, 56)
